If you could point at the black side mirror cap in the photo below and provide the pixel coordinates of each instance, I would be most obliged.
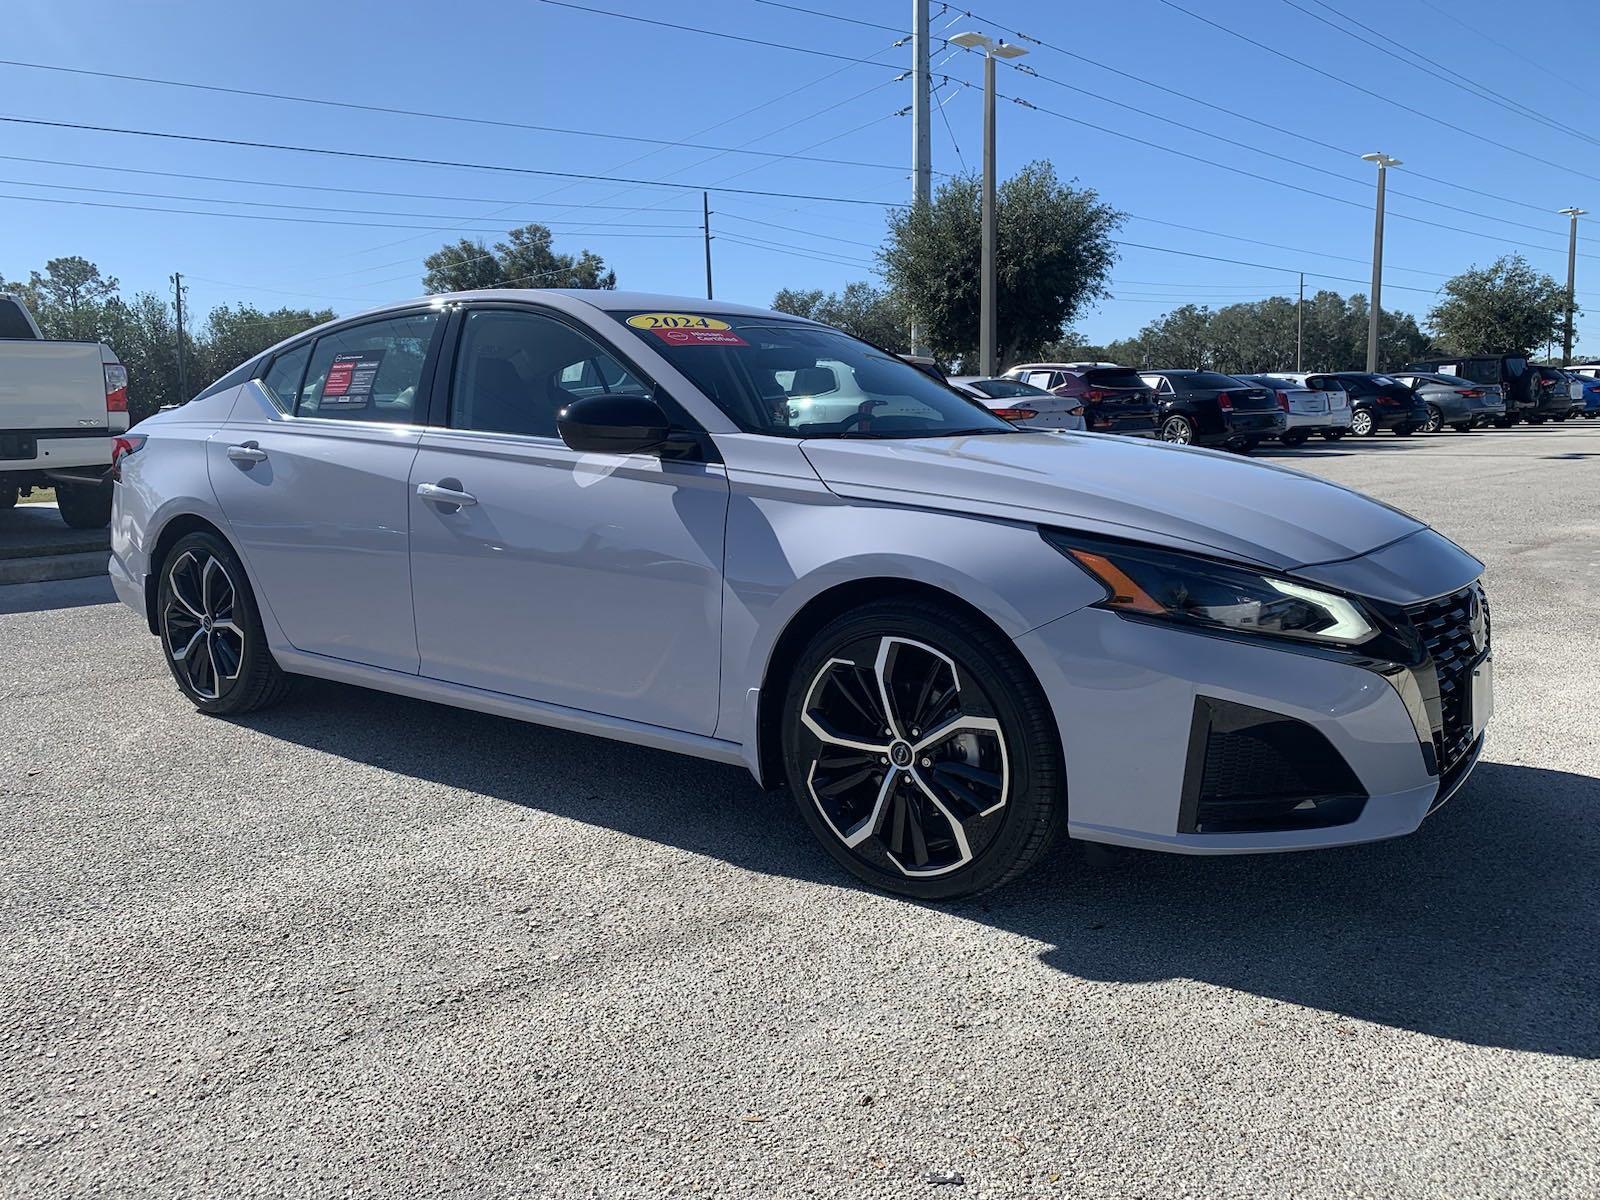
(614, 424)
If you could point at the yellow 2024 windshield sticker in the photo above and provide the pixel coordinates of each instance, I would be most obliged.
(675, 321)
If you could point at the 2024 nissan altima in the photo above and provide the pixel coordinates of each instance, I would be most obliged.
(752, 538)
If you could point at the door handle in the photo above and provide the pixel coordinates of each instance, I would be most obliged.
(247, 454)
(439, 493)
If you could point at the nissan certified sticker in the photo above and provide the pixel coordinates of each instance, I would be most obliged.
(699, 337)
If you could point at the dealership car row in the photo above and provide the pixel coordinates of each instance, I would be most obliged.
(1240, 412)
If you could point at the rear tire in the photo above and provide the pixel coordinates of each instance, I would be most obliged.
(1363, 423)
(1177, 430)
(211, 632)
(1294, 437)
(908, 811)
(84, 505)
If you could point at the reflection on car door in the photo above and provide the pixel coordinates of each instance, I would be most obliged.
(313, 484)
(584, 580)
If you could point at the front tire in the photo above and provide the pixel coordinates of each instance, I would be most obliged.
(211, 630)
(1435, 420)
(84, 505)
(1363, 423)
(921, 751)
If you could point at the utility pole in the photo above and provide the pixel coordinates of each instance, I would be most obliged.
(705, 204)
(921, 131)
(183, 374)
(1300, 326)
(986, 301)
(1384, 163)
(1572, 273)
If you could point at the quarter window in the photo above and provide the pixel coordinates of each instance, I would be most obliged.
(283, 377)
(516, 370)
(369, 372)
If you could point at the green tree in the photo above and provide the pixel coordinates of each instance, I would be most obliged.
(69, 298)
(1053, 257)
(233, 334)
(144, 334)
(866, 312)
(1504, 307)
(526, 258)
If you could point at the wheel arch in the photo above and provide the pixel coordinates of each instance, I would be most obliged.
(179, 526)
(807, 621)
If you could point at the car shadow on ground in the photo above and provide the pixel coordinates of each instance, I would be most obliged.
(1482, 927)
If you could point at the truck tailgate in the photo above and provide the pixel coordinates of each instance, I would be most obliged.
(51, 385)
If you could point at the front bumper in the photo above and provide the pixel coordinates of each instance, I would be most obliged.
(1128, 695)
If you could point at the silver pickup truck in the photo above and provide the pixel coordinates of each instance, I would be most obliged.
(62, 405)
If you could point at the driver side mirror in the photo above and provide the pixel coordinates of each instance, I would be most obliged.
(614, 424)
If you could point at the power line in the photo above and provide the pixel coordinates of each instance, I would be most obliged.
(1238, 262)
(1471, 87)
(716, 33)
(1304, 65)
(433, 116)
(432, 162)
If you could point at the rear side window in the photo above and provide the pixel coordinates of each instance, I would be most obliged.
(283, 377)
(231, 380)
(369, 372)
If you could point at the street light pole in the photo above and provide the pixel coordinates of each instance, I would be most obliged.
(1300, 326)
(987, 327)
(1384, 162)
(1572, 273)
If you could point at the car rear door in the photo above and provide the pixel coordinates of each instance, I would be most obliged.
(311, 472)
(591, 581)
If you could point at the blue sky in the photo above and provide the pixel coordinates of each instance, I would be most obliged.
(531, 62)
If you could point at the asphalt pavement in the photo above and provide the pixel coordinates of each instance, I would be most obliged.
(367, 946)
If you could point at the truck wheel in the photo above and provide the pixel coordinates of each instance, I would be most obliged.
(84, 505)
(8, 497)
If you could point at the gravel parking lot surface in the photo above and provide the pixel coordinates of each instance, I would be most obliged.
(361, 945)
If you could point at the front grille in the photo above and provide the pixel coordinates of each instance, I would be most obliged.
(1446, 628)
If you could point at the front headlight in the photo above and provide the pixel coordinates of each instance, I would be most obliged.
(1147, 582)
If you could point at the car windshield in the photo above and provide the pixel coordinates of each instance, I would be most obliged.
(789, 379)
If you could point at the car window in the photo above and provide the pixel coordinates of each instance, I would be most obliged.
(791, 379)
(232, 379)
(14, 322)
(369, 372)
(1041, 379)
(283, 377)
(516, 370)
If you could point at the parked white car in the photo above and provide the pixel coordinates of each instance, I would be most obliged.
(61, 406)
(1309, 410)
(1332, 424)
(1023, 404)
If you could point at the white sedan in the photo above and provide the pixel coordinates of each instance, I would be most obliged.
(1023, 404)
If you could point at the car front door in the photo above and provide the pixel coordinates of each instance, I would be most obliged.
(313, 483)
(592, 581)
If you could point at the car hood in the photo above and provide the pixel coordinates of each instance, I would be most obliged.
(1202, 500)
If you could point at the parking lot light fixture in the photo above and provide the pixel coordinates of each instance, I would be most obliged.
(1384, 162)
(992, 49)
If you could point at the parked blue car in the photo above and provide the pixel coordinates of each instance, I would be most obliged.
(1590, 378)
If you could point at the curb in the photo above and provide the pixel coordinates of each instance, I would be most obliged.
(44, 568)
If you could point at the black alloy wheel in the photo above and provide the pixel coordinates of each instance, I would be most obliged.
(921, 752)
(210, 630)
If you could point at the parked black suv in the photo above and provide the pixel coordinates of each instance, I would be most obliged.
(1533, 394)
(1382, 402)
(1204, 408)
